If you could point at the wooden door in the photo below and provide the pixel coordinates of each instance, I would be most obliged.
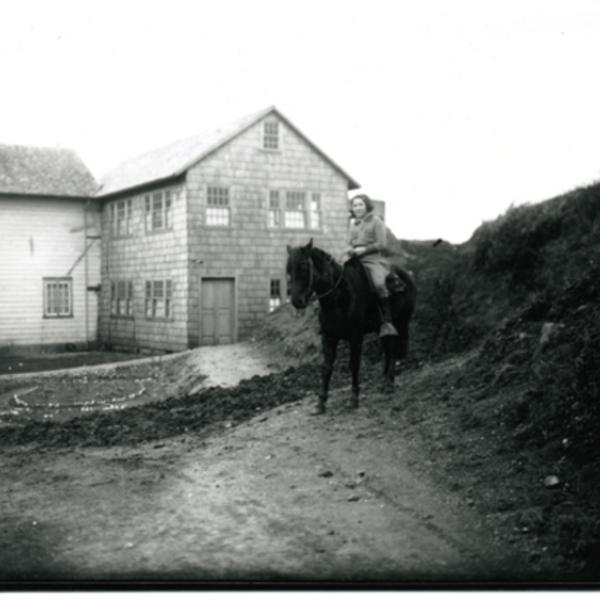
(217, 312)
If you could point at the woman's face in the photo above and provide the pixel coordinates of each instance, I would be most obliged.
(359, 208)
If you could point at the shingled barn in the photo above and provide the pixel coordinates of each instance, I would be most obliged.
(194, 234)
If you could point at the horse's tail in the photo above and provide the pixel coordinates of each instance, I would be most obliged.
(405, 276)
(410, 293)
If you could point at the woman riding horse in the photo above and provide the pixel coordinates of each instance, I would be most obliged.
(367, 240)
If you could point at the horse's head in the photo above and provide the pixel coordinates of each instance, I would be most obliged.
(300, 274)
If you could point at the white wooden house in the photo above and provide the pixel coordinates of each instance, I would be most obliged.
(194, 234)
(49, 250)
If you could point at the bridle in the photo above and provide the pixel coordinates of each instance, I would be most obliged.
(311, 279)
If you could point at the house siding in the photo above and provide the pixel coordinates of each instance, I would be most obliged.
(146, 256)
(249, 250)
(39, 238)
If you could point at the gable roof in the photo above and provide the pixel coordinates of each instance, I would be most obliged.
(175, 159)
(44, 172)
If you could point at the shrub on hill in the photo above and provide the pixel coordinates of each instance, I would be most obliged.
(540, 245)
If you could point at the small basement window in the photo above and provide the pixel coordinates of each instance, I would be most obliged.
(58, 297)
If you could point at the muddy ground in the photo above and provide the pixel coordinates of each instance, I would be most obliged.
(116, 474)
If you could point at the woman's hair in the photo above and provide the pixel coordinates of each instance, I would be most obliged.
(368, 203)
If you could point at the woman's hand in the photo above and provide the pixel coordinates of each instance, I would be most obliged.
(358, 251)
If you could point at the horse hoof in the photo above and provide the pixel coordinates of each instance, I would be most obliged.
(320, 410)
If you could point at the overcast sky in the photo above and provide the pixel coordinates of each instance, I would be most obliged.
(450, 111)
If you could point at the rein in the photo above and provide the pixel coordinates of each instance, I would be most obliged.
(311, 280)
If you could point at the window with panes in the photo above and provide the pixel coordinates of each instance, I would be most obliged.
(274, 209)
(314, 213)
(294, 209)
(217, 207)
(120, 218)
(275, 294)
(121, 298)
(58, 297)
(271, 135)
(158, 210)
(159, 299)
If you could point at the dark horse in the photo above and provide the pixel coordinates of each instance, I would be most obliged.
(348, 311)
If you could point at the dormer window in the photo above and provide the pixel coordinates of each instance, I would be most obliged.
(271, 135)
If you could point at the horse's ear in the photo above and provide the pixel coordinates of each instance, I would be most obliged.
(289, 249)
(309, 246)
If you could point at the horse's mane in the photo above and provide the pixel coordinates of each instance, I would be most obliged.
(352, 268)
(320, 257)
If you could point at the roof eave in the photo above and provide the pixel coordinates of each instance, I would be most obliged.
(138, 188)
(82, 197)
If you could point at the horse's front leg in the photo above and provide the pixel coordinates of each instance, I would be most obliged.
(329, 353)
(355, 352)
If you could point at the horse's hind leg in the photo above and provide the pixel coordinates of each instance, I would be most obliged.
(402, 341)
(398, 350)
(329, 353)
(389, 350)
(355, 352)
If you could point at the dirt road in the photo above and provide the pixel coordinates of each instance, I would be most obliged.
(284, 496)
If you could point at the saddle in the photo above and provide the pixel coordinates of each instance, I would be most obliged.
(394, 284)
